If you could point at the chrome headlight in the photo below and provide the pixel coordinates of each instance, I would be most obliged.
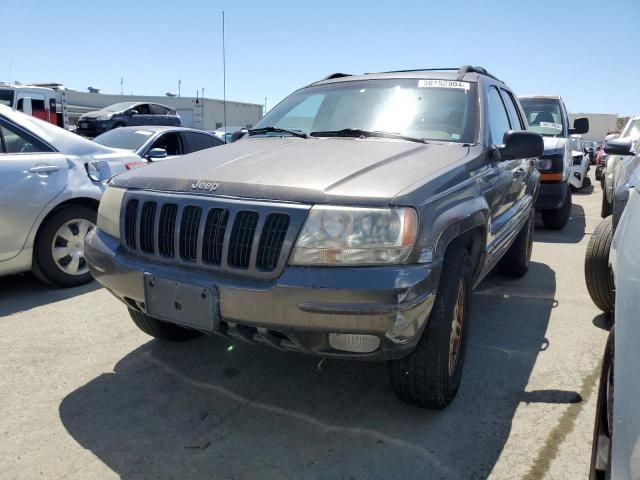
(109, 211)
(356, 236)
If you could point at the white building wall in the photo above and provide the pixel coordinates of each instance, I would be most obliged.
(599, 124)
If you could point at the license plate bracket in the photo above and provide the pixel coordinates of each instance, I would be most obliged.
(194, 306)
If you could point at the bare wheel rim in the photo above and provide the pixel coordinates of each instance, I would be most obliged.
(67, 247)
(457, 324)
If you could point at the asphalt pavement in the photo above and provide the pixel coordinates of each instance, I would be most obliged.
(85, 395)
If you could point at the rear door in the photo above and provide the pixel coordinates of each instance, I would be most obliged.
(32, 174)
(196, 141)
(162, 115)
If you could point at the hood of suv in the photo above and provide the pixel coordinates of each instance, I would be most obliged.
(554, 145)
(317, 170)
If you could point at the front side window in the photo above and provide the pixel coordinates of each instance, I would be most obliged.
(544, 116)
(421, 108)
(498, 118)
(142, 109)
(17, 141)
(170, 142)
(514, 116)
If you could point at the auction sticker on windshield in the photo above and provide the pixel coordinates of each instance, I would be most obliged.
(444, 84)
(555, 126)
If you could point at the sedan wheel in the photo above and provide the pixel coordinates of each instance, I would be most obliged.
(67, 247)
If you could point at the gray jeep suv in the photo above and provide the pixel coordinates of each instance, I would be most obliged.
(352, 222)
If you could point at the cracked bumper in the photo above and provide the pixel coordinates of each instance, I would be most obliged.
(299, 309)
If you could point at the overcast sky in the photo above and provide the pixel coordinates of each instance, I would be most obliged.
(569, 48)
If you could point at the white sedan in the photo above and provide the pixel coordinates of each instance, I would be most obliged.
(51, 181)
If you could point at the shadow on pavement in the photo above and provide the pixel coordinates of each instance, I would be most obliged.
(573, 232)
(603, 321)
(209, 408)
(24, 292)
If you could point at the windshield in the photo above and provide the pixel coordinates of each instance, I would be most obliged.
(632, 129)
(544, 116)
(575, 144)
(429, 109)
(118, 107)
(125, 139)
(6, 98)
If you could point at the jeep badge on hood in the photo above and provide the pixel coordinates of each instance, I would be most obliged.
(204, 186)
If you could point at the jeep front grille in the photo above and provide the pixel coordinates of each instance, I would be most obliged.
(236, 236)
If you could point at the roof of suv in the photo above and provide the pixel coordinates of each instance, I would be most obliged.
(465, 73)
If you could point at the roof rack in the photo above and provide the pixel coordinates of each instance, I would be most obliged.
(470, 69)
(331, 76)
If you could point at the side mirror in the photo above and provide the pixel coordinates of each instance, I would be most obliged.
(157, 153)
(521, 144)
(580, 126)
(133, 112)
(237, 135)
(618, 147)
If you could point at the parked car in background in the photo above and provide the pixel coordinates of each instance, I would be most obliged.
(355, 233)
(158, 143)
(631, 132)
(580, 164)
(617, 427)
(597, 270)
(51, 181)
(591, 151)
(548, 116)
(126, 114)
(229, 134)
(601, 158)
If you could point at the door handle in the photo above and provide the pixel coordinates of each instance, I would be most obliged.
(40, 169)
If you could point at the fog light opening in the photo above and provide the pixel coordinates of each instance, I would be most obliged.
(352, 342)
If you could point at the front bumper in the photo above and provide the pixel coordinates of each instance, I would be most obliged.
(297, 310)
(552, 195)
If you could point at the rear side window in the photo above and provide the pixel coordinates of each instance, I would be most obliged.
(200, 141)
(498, 118)
(15, 140)
(158, 110)
(514, 116)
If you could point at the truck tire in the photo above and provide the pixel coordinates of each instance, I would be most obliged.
(515, 262)
(586, 183)
(606, 209)
(597, 272)
(59, 254)
(162, 330)
(558, 218)
(430, 375)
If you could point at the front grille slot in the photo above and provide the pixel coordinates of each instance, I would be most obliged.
(244, 229)
(166, 229)
(189, 232)
(271, 240)
(130, 219)
(214, 228)
(234, 237)
(147, 219)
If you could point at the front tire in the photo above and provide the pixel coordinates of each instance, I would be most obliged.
(606, 209)
(515, 263)
(430, 375)
(597, 272)
(59, 256)
(162, 330)
(558, 218)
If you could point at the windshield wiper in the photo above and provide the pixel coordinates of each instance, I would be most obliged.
(357, 132)
(295, 133)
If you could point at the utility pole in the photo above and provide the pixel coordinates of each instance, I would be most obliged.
(179, 86)
(265, 107)
(224, 83)
(121, 85)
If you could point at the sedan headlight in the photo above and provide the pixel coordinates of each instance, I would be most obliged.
(356, 236)
(109, 211)
(105, 117)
